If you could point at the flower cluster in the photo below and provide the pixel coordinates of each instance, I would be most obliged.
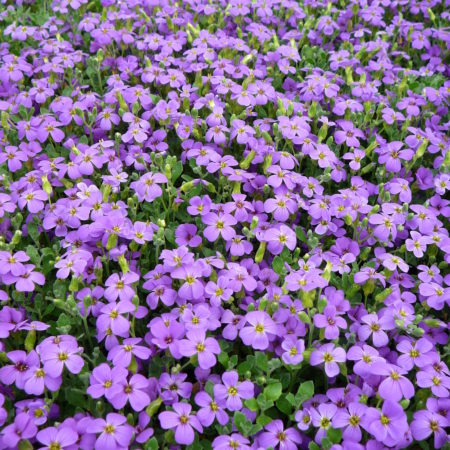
(224, 224)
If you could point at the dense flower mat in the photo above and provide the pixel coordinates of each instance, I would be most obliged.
(224, 224)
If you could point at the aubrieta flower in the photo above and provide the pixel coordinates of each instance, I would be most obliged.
(61, 438)
(115, 433)
(232, 391)
(183, 421)
(261, 328)
(426, 423)
(198, 344)
(329, 356)
(387, 425)
(277, 436)
(234, 441)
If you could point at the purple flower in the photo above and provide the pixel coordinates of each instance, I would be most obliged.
(133, 391)
(330, 321)
(120, 287)
(322, 418)
(121, 355)
(395, 386)
(192, 288)
(185, 234)
(111, 319)
(209, 410)
(438, 382)
(365, 356)
(232, 391)
(233, 442)
(198, 344)
(64, 354)
(183, 421)
(374, 326)
(219, 224)
(349, 134)
(414, 353)
(387, 425)
(17, 372)
(260, 331)
(23, 427)
(293, 350)
(426, 423)
(350, 419)
(330, 357)
(277, 436)
(103, 378)
(59, 438)
(115, 433)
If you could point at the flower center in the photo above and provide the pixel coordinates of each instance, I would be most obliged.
(384, 419)
(354, 421)
(232, 391)
(109, 429)
(259, 328)
(324, 422)
(214, 407)
(281, 436)
(200, 347)
(434, 425)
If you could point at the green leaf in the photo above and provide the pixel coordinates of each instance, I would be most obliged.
(63, 320)
(300, 234)
(334, 435)
(177, 170)
(151, 444)
(305, 392)
(284, 405)
(273, 391)
(263, 420)
(223, 359)
(33, 231)
(261, 361)
(313, 446)
(170, 235)
(255, 428)
(278, 265)
(232, 362)
(209, 388)
(263, 403)
(242, 424)
(251, 404)
(326, 443)
(33, 253)
(75, 398)
(291, 399)
(274, 363)
(59, 289)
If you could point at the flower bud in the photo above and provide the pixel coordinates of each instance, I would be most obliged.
(245, 164)
(46, 186)
(112, 241)
(260, 252)
(30, 340)
(123, 264)
(16, 238)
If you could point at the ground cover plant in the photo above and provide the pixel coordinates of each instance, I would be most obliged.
(224, 224)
